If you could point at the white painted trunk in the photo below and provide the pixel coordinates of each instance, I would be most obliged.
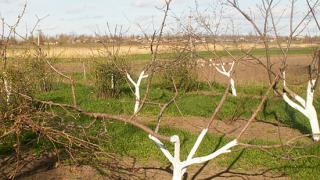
(7, 88)
(137, 94)
(306, 107)
(112, 82)
(177, 173)
(233, 88)
(222, 70)
(137, 89)
(313, 119)
(180, 167)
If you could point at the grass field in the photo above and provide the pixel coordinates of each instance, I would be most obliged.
(199, 104)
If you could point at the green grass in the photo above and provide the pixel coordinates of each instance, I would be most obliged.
(129, 141)
(190, 104)
(208, 54)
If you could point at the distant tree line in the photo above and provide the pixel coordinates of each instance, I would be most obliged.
(73, 39)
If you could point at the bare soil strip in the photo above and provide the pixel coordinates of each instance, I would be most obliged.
(209, 171)
(257, 130)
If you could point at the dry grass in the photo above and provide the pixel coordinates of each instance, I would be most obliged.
(97, 51)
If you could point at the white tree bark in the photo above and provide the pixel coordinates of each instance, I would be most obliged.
(137, 89)
(306, 107)
(233, 88)
(180, 167)
(222, 70)
(7, 87)
(112, 81)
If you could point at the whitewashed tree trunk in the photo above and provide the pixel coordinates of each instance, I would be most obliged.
(7, 87)
(112, 81)
(137, 89)
(180, 167)
(233, 88)
(226, 73)
(306, 107)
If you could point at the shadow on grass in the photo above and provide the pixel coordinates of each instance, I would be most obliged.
(294, 122)
(206, 163)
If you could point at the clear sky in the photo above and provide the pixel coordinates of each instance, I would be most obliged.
(90, 16)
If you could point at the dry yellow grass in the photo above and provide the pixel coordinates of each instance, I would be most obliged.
(96, 51)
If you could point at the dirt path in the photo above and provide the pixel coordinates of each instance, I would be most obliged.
(257, 130)
(154, 171)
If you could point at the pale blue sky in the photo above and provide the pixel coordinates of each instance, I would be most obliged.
(89, 16)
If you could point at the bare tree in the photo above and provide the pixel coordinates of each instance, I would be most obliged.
(306, 107)
(180, 167)
(5, 43)
(137, 89)
(222, 70)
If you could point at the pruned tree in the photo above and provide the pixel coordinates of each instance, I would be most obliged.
(180, 167)
(5, 40)
(222, 70)
(304, 106)
(155, 41)
(137, 89)
(7, 86)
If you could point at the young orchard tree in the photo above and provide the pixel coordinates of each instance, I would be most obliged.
(137, 89)
(304, 106)
(179, 166)
(212, 24)
(296, 26)
(222, 70)
(5, 41)
(154, 46)
(7, 87)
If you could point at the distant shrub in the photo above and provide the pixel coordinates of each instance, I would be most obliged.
(109, 80)
(184, 74)
(40, 74)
